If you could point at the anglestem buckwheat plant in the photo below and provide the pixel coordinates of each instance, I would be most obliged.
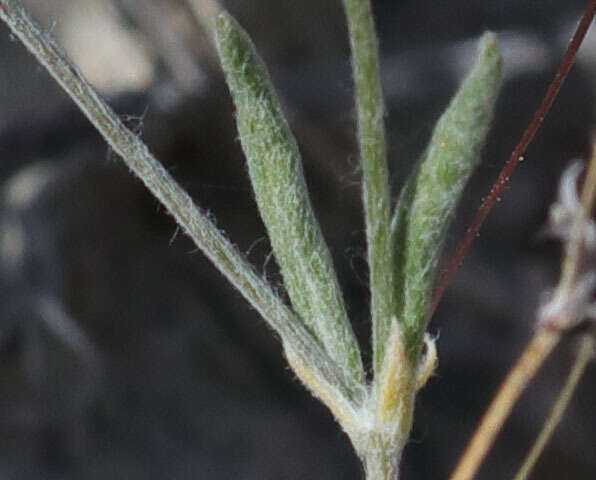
(382, 424)
(403, 242)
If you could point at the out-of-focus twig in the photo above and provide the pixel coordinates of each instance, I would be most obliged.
(522, 372)
(205, 12)
(167, 41)
(584, 355)
(565, 310)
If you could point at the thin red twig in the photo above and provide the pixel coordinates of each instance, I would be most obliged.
(516, 156)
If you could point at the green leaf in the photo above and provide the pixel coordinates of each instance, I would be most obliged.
(399, 235)
(422, 217)
(275, 169)
(375, 176)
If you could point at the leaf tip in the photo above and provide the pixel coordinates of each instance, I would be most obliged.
(489, 53)
(223, 21)
(489, 43)
(229, 34)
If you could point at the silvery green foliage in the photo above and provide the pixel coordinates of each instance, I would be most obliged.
(375, 175)
(323, 376)
(431, 194)
(275, 168)
(403, 254)
(417, 231)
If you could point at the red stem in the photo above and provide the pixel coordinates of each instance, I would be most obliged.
(516, 156)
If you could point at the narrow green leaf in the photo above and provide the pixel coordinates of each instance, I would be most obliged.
(375, 177)
(399, 235)
(275, 168)
(451, 157)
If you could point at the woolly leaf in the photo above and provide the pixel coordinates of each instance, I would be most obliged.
(275, 169)
(375, 176)
(422, 217)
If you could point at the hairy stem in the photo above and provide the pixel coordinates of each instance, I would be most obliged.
(193, 220)
(382, 464)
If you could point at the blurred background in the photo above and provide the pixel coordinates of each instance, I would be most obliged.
(125, 355)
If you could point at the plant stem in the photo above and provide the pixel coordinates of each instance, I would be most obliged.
(547, 336)
(584, 355)
(514, 385)
(575, 248)
(193, 220)
(382, 465)
(517, 154)
(375, 176)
